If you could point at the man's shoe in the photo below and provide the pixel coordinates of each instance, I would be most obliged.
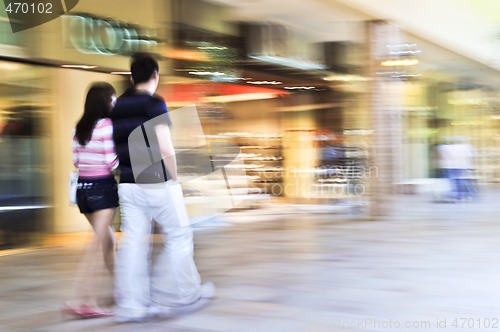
(150, 314)
(207, 292)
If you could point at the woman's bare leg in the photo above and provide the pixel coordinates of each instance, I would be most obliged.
(105, 235)
(103, 239)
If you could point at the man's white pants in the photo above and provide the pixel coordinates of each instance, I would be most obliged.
(174, 279)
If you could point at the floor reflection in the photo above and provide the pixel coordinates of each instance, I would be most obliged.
(424, 266)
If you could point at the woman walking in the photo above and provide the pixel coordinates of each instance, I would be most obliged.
(97, 197)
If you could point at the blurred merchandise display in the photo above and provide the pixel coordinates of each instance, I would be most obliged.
(263, 158)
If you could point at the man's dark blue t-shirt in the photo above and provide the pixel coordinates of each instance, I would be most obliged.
(131, 111)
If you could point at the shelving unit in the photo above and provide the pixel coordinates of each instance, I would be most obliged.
(263, 160)
(342, 173)
(238, 178)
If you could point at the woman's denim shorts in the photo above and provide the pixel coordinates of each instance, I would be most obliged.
(96, 194)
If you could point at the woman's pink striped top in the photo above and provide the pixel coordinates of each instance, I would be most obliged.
(98, 158)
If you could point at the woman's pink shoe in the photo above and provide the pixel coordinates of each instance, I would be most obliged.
(90, 312)
(85, 311)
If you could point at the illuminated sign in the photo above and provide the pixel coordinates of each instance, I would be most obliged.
(103, 36)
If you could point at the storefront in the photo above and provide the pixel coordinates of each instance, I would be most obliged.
(439, 110)
(468, 113)
(280, 133)
(24, 204)
(24, 167)
(44, 78)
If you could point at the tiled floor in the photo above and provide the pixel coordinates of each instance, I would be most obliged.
(428, 266)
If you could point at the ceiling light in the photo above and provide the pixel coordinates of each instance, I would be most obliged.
(120, 73)
(212, 47)
(399, 62)
(206, 73)
(299, 64)
(9, 66)
(300, 87)
(404, 75)
(79, 66)
(244, 97)
(265, 82)
(345, 78)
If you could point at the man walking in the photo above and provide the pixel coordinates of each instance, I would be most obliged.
(148, 191)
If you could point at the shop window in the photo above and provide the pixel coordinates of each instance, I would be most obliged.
(22, 147)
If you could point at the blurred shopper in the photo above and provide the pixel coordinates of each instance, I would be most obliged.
(467, 184)
(97, 195)
(448, 161)
(456, 162)
(173, 285)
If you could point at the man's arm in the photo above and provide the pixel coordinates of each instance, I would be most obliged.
(167, 149)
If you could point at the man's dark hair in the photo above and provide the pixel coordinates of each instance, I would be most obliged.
(142, 67)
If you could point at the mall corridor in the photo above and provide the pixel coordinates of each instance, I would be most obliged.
(428, 266)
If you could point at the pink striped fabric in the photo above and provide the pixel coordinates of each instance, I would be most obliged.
(98, 158)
